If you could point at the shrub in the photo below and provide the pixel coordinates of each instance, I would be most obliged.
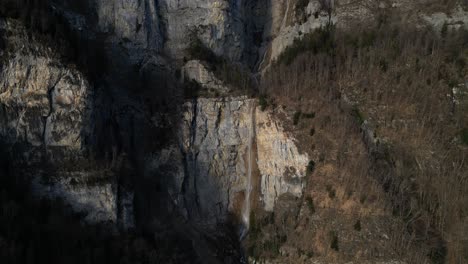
(357, 225)
(321, 40)
(444, 30)
(322, 157)
(198, 50)
(310, 204)
(297, 117)
(363, 198)
(310, 167)
(312, 132)
(334, 242)
(383, 64)
(464, 136)
(301, 4)
(234, 75)
(358, 115)
(309, 115)
(368, 39)
(331, 191)
(191, 89)
(262, 101)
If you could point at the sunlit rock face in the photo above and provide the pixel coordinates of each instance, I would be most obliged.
(44, 102)
(224, 142)
(283, 22)
(282, 168)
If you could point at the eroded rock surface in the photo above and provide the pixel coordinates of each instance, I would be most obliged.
(194, 70)
(215, 143)
(282, 167)
(46, 119)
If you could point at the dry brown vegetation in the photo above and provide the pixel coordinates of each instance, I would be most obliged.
(402, 85)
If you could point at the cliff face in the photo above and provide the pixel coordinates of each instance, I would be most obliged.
(223, 162)
(100, 143)
(47, 121)
(45, 102)
(282, 168)
(147, 27)
(217, 138)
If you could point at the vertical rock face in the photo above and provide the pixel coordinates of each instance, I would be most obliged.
(282, 167)
(289, 21)
(45, 103)
(155, 25)
(224, 141)
(46, 119)
(134, 24)
(48, 106)
(215, 143)
(218, 24)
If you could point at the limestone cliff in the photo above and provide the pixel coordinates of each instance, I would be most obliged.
(282, 168)
(115, 146)
(47, 121)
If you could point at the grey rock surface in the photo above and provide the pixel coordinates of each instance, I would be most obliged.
(46, 106)
(194, 70)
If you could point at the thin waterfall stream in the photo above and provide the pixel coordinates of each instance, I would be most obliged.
(248, 189)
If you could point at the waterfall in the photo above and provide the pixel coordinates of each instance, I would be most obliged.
(248, 188)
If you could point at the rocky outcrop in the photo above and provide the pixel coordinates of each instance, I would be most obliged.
(134, 23)
(163, 26)
(44, 102)
(218, 24)
(194, 70)
(46, 119)
(215, 144)
(454, 21)
(290, 21)
(229, 146)
(282, 168)
(96, 201)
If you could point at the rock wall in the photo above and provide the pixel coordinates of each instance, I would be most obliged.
(227, 143)
(289, 21)
(282, 168)
(215, 143)
(218, 24)
(44, 102)
(46, 119)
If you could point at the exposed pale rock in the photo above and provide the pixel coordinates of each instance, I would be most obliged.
(216, 140)
(44, 102)
(457, 19)
(46, 106)
(282, 167)
(283, 28)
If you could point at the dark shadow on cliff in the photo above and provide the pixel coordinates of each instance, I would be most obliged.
(134, 113)
(42, 231)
